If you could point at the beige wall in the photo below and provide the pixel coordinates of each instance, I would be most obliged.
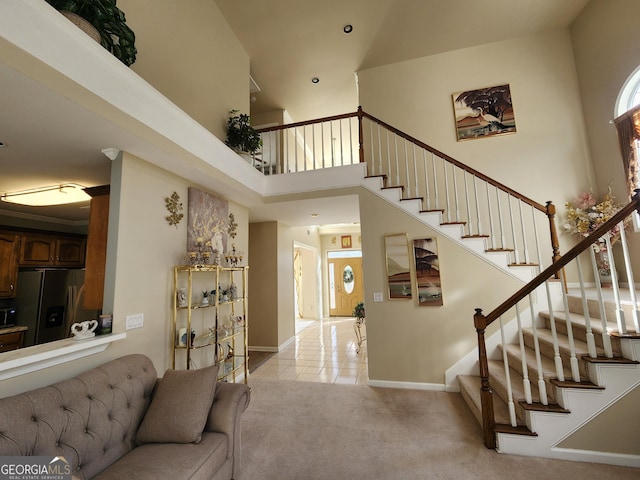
(188, 52)
(604, 62)
(263, 305)
(408, 343)
(271, 250)
(147, 248)
(623, 418)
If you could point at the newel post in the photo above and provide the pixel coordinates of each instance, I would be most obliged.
(486, 394)
(551, 213)
(360, 134)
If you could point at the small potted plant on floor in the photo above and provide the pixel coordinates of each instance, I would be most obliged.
(241, 136)
(109, 22)
(358, 311)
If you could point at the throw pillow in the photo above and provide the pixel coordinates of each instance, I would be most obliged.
(180, 407)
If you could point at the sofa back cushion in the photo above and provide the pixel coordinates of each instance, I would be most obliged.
(180, 407)
(91, 419)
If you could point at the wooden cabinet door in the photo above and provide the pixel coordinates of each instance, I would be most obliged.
(37, 251)
(70, 252)
(96, 247)
(8, 264)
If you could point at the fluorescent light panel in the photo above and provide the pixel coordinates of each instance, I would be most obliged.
(45, 196)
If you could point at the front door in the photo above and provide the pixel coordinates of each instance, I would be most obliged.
(347, 286)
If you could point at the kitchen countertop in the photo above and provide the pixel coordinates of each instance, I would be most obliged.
(17, 328)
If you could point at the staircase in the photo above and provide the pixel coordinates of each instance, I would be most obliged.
(564, 353)
(540, 429)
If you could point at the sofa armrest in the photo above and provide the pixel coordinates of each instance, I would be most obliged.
(231, 399)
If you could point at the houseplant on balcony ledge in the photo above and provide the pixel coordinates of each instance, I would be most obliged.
(241, 136)
(108, 20)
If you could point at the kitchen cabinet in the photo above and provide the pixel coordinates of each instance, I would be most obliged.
(9, 245)
(51, 250)
(12, 338)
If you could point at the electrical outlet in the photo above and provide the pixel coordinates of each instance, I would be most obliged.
(134, 321)
(377, 296)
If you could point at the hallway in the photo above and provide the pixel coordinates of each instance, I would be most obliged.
(323, 352)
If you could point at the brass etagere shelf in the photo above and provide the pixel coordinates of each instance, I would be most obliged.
(224, 321)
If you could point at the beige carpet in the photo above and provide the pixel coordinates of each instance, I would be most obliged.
(305, 431)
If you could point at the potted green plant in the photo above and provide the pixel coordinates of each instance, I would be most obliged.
(108, 20)
(241, 136)
(358, 310)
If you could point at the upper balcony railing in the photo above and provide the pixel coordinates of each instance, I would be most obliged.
(486, 208)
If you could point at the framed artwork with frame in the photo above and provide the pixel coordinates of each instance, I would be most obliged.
(346, 241)
(398, 267)
(427, 267)
(484, 112)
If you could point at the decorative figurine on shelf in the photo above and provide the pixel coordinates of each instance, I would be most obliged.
(182, 297)
(233, 292)
(205, 297)
(229, 351)
(217, 247)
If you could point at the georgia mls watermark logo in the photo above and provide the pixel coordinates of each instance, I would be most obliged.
(34, 468)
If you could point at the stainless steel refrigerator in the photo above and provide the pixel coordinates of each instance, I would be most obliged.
(48, 302)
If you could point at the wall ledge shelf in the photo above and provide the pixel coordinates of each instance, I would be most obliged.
(27, 360)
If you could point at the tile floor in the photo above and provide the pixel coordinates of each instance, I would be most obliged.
(324, 351)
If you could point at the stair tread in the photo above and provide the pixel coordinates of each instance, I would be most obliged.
(499, 380)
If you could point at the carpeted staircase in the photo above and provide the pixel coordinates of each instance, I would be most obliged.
(559, 409)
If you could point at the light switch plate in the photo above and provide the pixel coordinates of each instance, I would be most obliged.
(377, 296)
(134, 321)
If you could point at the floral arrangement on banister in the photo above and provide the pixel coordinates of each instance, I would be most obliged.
(585, 215)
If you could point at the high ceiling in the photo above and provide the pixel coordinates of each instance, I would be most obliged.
(291, 41)
(50, 139)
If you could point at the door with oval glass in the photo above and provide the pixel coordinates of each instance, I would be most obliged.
(347, 286)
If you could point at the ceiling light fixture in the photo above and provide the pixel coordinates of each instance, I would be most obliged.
(314, 215)
(45, 196)
(315, 80)
(348, 28)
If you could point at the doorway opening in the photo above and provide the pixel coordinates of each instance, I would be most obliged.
(307, 286)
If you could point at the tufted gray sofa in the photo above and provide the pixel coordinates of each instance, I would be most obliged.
(91, 420)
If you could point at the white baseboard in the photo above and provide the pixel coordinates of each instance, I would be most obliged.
(264, 349)
(438, 387)
(621, 459)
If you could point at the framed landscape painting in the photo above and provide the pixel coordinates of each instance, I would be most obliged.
(485, 112)
(428, 287)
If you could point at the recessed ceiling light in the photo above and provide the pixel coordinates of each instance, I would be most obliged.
(348, 28)
(2, 144)
(314, 215)
(315, 80)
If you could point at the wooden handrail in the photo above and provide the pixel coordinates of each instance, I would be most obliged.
(306, 122)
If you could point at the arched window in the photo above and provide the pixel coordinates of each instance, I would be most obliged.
(627, 123)
(629, 95)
